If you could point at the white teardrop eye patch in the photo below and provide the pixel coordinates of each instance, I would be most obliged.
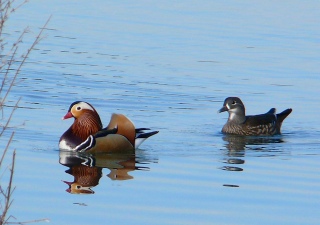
(83, 105)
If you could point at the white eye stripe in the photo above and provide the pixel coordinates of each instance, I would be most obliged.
(83, 105)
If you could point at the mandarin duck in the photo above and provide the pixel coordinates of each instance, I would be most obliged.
(87, 134)
(84, 179)
(240, 124)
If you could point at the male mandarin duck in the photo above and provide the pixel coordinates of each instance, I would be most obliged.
(85, 177)
(86, 134)
(240, 124)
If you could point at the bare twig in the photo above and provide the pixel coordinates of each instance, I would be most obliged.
(36, 41)
(6, 149)
(9, 63)
(31, 221)
(6, 9)
(9, 119)
(11, 60)
(8, 193)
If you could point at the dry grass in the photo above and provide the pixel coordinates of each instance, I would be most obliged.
(10, 66)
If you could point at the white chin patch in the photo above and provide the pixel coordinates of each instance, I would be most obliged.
(232, 115)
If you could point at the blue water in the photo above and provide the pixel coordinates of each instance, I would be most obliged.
(169, 65)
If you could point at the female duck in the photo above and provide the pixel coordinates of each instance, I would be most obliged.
(240, 124)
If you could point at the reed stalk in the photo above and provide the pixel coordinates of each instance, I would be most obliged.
(10, 67)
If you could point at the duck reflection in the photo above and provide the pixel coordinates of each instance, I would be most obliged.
(84, 179)
(87, 169)
(236, 147)
(235, 143)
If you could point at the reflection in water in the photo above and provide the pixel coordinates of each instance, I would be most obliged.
(236, 142)
(230, 185)
(84, 178)
(232, 168)
(87, 169)
(237, 145)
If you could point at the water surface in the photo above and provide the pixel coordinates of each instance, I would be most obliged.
(169, 66)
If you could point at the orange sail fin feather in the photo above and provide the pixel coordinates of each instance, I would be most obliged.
(87, 135)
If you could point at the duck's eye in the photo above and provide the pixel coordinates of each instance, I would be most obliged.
(234, 102)
(78, 108)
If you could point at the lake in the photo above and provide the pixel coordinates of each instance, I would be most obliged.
(168, 66)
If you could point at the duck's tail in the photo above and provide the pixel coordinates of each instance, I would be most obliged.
(281, 116)
(141, 135)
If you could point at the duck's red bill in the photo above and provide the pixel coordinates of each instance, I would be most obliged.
(67, 116)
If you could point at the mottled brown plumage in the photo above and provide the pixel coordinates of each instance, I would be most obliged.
(240, 124)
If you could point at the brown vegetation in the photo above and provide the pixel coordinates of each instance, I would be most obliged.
(10, 66)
